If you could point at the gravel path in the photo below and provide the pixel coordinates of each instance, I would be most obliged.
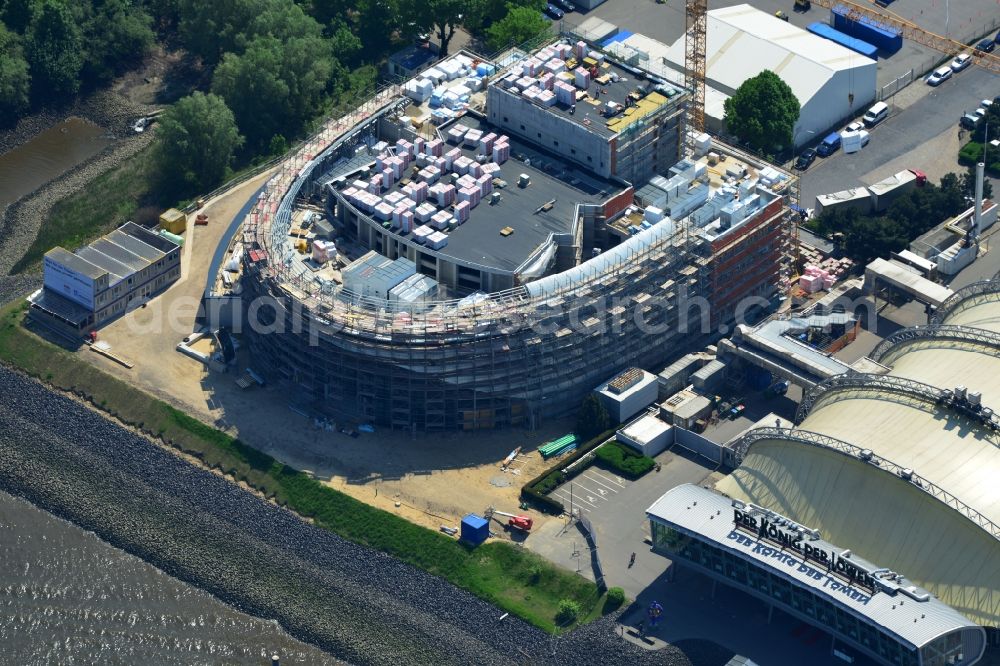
(356, 603)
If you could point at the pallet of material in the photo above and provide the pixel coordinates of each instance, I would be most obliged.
(558, 446)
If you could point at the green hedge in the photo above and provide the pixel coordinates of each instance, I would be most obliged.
(536, 491)
(972, 152)
(624, 461)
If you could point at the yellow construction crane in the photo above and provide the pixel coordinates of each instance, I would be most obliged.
(912, 32)
(696, 23)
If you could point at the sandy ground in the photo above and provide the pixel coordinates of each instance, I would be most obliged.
(436, 479)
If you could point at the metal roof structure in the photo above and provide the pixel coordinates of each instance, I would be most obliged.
(803, 60)
(902, 467)
(709, 515)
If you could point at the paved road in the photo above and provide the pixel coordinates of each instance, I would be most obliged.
(906, 130)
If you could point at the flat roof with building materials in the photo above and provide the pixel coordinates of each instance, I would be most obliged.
(617, 84)
(531, 214)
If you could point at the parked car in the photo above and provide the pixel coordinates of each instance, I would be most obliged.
(805, 159)
(876, 114)
(986, 103)
(564, 5)
(554, 12)
(939, 76)
(968, 121)
(735, 412)
(986, 46)
(856, 126)
(781, 15)
(830, 145)
(960, 62)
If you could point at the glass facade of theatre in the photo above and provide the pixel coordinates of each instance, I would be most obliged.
(803, 602)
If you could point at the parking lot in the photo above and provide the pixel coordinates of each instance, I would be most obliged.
(616, 509)
(589, 490)
(921, 132)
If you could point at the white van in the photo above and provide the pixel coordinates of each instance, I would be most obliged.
(876, 114)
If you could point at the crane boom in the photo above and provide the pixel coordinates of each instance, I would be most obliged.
(913, 32)
(696, 27)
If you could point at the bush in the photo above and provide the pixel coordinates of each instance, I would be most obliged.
(970, 154)
(569, 610)
(624, 460)
(616, 596)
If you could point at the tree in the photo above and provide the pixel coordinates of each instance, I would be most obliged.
(196, 140)
(443, 17)
(344, 44)
(763, 112)
(867, 238)
(210, 29)
(116, 33)
(593, 418)
(968, 183)
(950, 200)
(273, 88)
(54, 47)
(17, 14)
(518, 26)
(15, 81)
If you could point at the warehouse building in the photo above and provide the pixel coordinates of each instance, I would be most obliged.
(114, 274)
(831, 82)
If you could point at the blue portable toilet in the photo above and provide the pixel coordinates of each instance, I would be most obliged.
(475, 529)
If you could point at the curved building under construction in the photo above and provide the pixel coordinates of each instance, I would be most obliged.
(471, 277)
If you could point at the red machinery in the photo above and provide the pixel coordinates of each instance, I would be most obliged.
(516, 522)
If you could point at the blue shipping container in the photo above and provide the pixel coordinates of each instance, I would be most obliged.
(475, 529)
(867, 29)
(825, 31)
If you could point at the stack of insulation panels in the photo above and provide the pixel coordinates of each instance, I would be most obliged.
(462, 209)
(437, 240)
(421, 233)
(440, 220)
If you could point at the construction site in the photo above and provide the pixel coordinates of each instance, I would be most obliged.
(517, 299)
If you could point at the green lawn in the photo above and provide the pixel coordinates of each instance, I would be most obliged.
(106, 202)
(513, 578)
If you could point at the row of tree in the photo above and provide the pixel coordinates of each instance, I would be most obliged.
(49, 49)
(866, 237)
(273, 65)
(277, 65)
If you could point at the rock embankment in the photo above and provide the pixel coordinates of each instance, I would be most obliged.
(358, 604)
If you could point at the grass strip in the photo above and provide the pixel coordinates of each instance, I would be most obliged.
(105, 203)
(514, 579)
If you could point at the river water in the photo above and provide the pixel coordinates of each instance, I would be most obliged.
(66, 597)
(50, 153)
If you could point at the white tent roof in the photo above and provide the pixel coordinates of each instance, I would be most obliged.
(743, 41)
